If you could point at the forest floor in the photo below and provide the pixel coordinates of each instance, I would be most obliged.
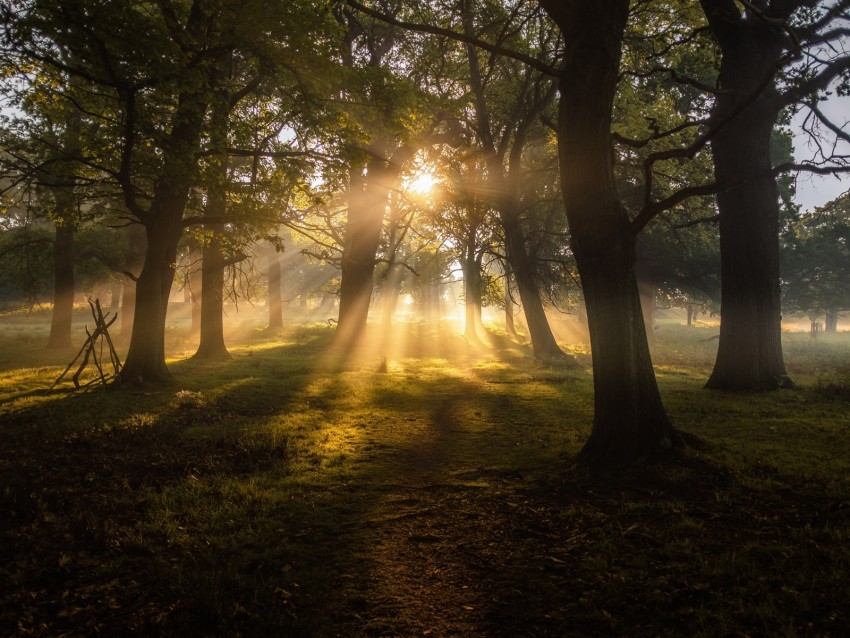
(287, 492)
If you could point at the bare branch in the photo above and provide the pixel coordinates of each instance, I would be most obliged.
(818, 169)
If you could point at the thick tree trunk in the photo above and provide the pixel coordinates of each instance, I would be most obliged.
(212, 346)
(275, 297)
(629, 418)
(749, 355)
(471, 293)
(145, 363)
(133, 262)
(691, 310)
(368, 194)
(63, 286)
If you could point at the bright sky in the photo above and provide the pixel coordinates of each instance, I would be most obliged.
(817, 190)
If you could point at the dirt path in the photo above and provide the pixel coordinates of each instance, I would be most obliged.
(449, 546)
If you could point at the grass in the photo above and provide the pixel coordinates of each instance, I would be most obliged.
(289, 493)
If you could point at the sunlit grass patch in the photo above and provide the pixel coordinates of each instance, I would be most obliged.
(284, 492)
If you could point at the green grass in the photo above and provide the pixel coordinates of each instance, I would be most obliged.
(286, 492)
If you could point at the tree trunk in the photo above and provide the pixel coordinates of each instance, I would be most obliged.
(194, 283)
(471, 292)
(367, 201)
(510, 324)
(145, 363)
(275, 297)
(831, 324)
(690, 308)
(61, 178)
(749, 354)
(543, 342)
(133, 261)
(212, 346)
(629, 418)
(368, 197)
(63, 285)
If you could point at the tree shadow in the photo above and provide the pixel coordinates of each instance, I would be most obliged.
(449, 506)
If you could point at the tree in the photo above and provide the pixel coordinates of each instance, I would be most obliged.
(212, 346)
(394, 125)
(757, 81)
(42, 143)
(464, 218)
(629, 420)
(816, 262)
(157, 69)
(666, 61)
(509, 100)
(629, 417)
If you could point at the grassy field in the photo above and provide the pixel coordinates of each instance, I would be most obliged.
(290, 493)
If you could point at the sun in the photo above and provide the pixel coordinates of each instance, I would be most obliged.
(421, 183)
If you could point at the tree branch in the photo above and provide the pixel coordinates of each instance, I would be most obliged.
(459, 37)
(651, 209)
(810, 168)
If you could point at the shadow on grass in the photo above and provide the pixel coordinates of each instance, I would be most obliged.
(287, 493)
(85, 544)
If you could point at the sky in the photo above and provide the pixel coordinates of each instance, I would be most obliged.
(817, 190)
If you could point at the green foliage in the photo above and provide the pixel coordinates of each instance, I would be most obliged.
(816, 259)
(25, 263)
(661, 110)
